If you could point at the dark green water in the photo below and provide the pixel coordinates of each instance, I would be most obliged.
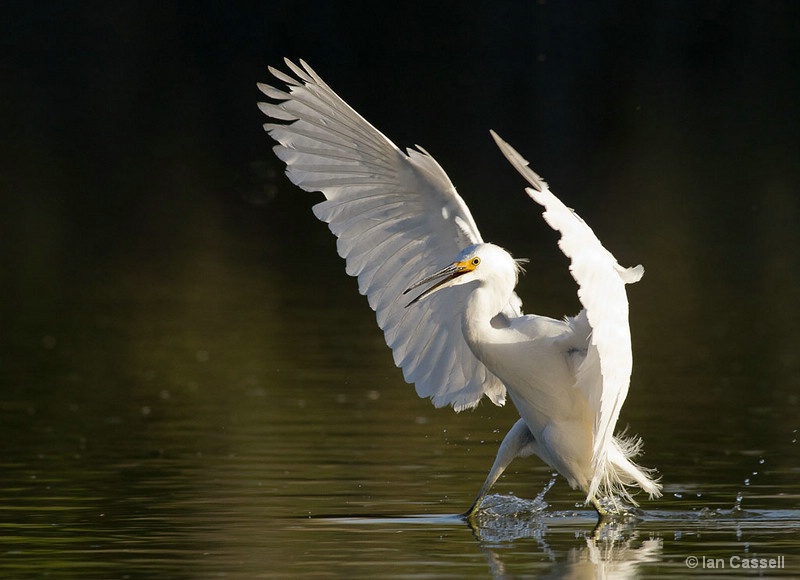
(226, 405)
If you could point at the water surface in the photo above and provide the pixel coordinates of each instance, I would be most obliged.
(226, 407)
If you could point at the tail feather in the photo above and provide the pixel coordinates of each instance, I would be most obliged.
(620, 473)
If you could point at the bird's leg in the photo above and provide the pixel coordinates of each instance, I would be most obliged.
(518, 442)
(602, 513)
(603, 517)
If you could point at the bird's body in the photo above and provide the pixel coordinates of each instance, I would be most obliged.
(554, 412)
(537, 358)
(399, 222)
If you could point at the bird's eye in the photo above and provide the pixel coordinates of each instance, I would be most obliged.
(476, 260)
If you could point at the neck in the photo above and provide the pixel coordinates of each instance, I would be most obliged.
(482, 306)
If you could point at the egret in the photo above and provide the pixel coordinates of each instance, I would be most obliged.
(401, 227)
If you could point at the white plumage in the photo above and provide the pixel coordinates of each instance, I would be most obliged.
(400, 224)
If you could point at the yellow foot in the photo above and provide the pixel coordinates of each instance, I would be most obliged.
(469, 515)
(601, 511)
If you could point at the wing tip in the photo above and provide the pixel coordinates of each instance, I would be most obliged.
(519, 162)
(631, 275)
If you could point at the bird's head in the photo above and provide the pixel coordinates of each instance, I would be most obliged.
(483, 263)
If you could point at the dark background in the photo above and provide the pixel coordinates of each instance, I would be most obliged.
(131, 141)
(102, 100)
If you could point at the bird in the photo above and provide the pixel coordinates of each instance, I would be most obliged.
(446, 301)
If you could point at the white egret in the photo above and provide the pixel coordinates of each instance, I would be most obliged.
(401, 225)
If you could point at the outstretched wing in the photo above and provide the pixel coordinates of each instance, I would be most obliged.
(601, 289)
(397, 218)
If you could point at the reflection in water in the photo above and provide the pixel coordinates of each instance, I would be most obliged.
(567, 546)
(614, 549)
(619, 554)
(611, 549)
(609, 558)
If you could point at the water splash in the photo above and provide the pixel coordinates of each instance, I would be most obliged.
(737, 506)
(505, 506)
(504, 518)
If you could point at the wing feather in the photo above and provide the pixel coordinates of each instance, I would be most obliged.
(604, 375)
(397, 217)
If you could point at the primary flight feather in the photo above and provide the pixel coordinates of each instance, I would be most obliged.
(400, 225)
